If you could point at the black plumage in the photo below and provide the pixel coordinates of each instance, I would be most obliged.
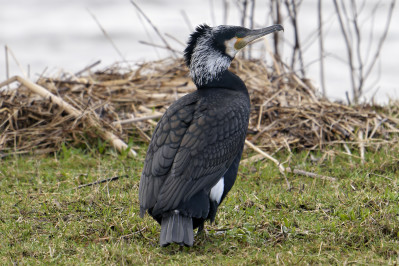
(192, 160)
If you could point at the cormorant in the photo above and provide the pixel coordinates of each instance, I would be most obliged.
(193, 157)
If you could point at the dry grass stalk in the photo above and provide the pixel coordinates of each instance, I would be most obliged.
(92, 120)
(286, 112)
(136, 119)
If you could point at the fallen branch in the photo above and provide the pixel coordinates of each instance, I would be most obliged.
(264, 154)
(93, 120)
(288, 169)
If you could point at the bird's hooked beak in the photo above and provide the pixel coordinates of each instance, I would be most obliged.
(252, 35)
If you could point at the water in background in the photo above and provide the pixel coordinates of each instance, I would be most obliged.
(61, 35)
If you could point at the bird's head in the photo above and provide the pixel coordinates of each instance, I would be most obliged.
(210, 49)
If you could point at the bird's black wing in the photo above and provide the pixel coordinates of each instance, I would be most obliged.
(193, 151)
(163, 147)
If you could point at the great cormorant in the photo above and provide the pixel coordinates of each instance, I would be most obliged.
(192, 160)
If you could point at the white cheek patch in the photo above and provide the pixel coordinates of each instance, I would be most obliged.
(206, 62)
(230, 49)
(217, 191)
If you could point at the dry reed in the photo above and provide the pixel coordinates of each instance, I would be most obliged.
(286, 111)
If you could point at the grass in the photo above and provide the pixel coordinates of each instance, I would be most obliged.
(45, 219)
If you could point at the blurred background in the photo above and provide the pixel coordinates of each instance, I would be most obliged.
(348, 49)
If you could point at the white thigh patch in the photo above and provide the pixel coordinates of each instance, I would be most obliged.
(217, 191)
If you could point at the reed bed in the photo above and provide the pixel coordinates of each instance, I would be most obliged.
(124, 103)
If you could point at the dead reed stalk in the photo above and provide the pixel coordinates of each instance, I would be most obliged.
(286, 111)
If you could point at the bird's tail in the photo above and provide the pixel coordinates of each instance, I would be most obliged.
(176, 228)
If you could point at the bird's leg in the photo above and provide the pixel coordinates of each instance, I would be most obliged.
(202, 230)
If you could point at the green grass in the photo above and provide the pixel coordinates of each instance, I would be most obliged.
(45, 219)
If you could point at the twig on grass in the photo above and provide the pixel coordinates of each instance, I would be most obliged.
(280, 165)
(288, 169)
(252, 146)
(390, 179)
(310, 174)
(124, 236)
(101, 181)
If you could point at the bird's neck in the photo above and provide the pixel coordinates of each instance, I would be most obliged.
(208, 65)
(226, 80)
